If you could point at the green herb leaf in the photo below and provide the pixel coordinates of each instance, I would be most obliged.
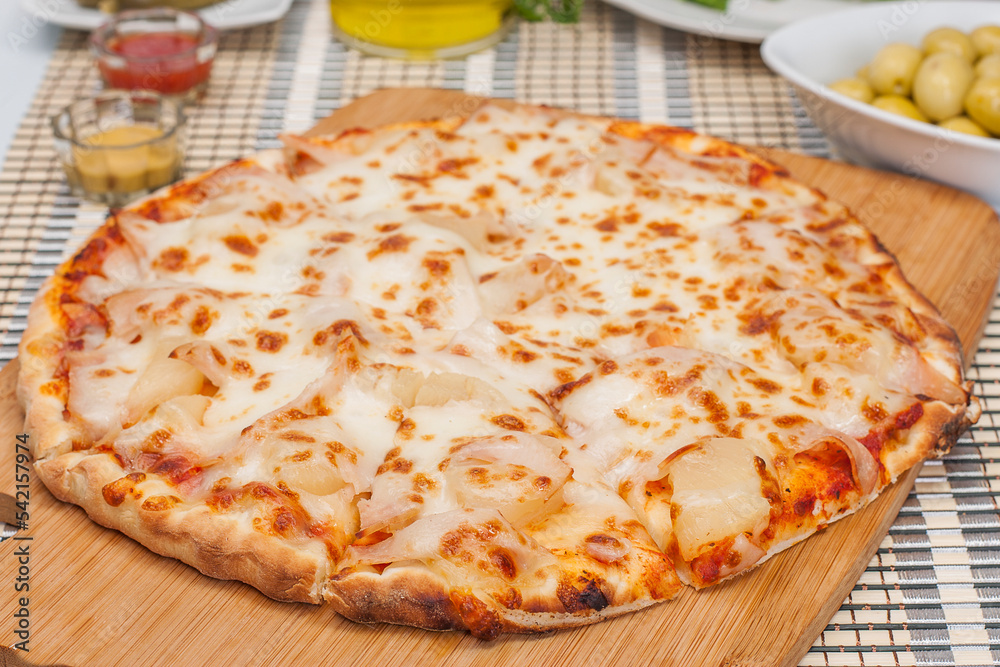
(565, 11)
(560, 11)
(531, 10)
(714, 4)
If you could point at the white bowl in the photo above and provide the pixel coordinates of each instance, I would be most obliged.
(815, 52)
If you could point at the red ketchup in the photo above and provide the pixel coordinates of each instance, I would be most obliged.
(166, 62)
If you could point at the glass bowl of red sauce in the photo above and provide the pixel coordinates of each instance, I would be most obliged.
(159, 49)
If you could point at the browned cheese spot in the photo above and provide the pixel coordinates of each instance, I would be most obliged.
(172, 259)
(217, 355)
(270, 341)
(766, 386)
(338, 237)
(562, 391)
(241, 244)
(115, 492)
(789, 421)
(160, 503)
(524, 356)
(439, 268)
(509, 422)
(157, 440)
(501, 560)
(202, 320)
(394, 243)
(241, 367)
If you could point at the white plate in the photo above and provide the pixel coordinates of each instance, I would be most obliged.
(227, 15)
(743, 21)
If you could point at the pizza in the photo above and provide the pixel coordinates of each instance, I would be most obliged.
(509, 372)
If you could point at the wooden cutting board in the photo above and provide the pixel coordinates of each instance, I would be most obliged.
(98, 598)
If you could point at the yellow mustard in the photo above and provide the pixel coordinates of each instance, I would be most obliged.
(125, 159)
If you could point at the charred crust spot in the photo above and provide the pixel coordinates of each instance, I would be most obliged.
(588, 598)
(262, 384)
(276, 313)
(270, 341)
(509, 422)
(607, 368)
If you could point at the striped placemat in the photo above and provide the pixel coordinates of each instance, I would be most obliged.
(931, 595)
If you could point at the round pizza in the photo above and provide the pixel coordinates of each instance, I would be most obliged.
(510, 372)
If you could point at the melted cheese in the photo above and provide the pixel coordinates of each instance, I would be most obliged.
(526, 324)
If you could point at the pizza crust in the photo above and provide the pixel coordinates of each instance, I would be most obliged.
(219, 547)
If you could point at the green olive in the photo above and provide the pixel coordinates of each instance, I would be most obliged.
(854, 88)
(950, 40)
(988, 66)
(891, 71)
(986, 39)
(964, 124)
(982, 103)
(940, 85)
(899, 105)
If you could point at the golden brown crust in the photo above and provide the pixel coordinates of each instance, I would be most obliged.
(413, 595)
(223, 547)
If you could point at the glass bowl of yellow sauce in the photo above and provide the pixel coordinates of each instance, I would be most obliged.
(421, 29)
(120, 145)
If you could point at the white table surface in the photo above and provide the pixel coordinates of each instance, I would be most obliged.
(26, 43)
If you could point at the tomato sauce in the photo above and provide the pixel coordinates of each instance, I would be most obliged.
(166, 62)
